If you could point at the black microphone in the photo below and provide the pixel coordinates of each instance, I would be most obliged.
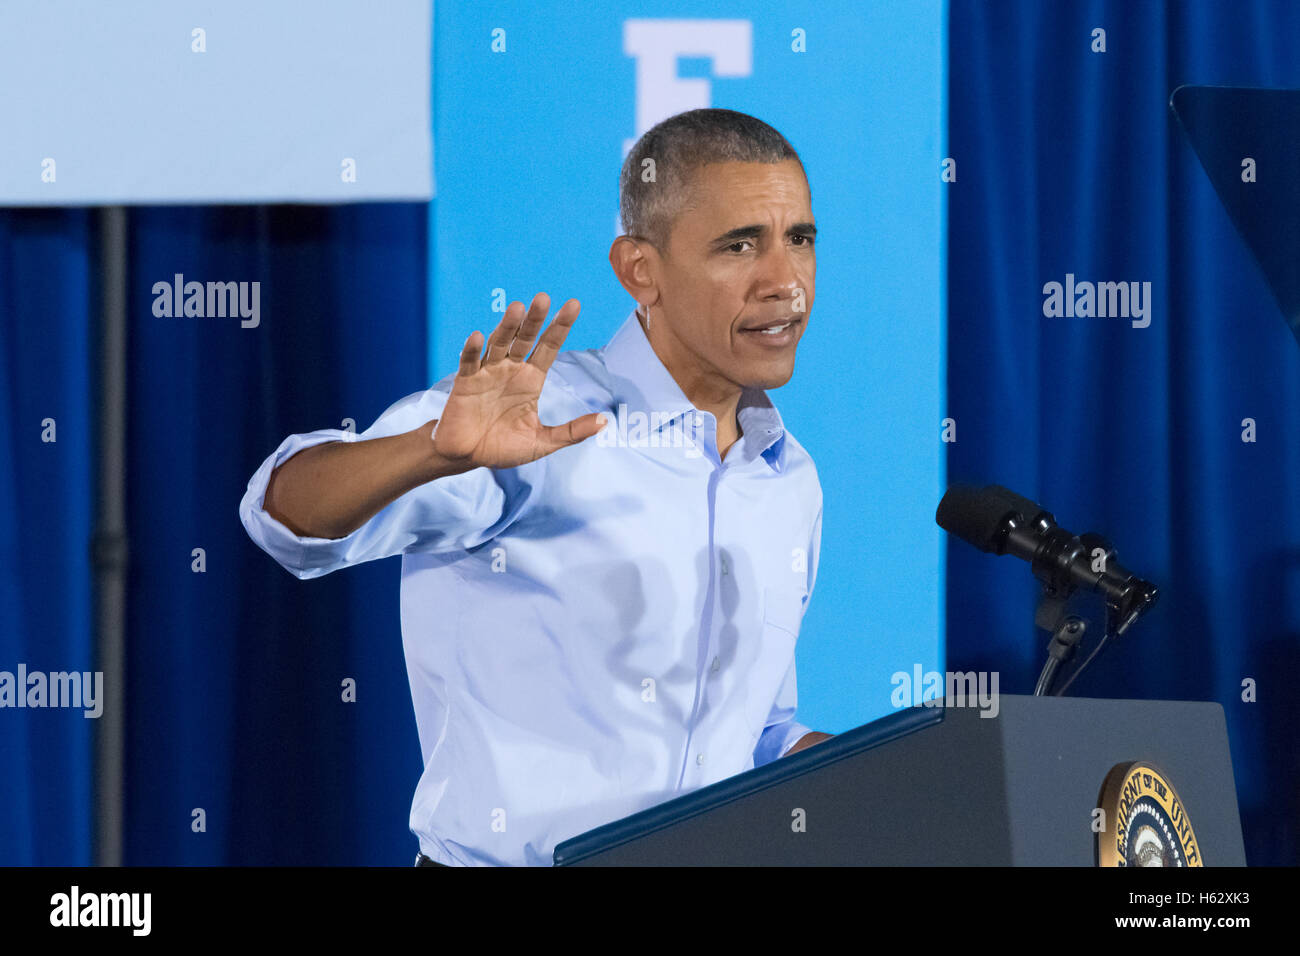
(1000, 521)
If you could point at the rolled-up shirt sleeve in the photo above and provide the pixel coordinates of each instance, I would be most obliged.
(782, 731)
(456, 512)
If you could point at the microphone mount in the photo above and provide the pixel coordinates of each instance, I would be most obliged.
(999, 521)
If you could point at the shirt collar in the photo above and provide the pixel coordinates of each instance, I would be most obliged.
(642, 382)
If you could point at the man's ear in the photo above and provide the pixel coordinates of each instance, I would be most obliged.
(634, 263)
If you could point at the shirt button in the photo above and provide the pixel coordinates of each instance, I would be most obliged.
(699, 759)
(714, 668)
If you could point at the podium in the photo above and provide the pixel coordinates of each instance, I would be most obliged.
(943, 785)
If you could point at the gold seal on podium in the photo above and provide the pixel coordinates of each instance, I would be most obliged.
(1146, 823)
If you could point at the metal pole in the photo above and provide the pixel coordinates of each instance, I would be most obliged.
(109, 546)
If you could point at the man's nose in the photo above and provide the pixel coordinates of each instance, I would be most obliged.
(778, 278)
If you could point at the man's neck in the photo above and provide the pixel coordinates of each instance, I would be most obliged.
(704, 392)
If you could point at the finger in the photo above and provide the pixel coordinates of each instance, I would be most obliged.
(528, 331)
(504, 334)
(554, 336)
(556, 437)
(470, 352)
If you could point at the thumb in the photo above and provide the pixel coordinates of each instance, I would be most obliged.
(570, 433)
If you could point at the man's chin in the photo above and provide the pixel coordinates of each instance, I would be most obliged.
(768, 378)
(765, 366)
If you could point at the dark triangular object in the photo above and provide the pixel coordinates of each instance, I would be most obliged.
(1227, 124)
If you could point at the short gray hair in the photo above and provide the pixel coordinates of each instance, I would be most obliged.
(679, 146)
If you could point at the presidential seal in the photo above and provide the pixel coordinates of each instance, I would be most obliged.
(1146, 823)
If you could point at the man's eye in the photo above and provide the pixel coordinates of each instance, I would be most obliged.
(735, 246)
(807, 240)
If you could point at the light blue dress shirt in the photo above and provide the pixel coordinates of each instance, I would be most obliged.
(597, 631)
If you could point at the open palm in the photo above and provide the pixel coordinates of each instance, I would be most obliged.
(490, 419)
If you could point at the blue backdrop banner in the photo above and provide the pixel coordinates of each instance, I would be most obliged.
(533, 124)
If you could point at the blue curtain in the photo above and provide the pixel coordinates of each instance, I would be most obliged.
(1069, 161)
(234, 673)
(47, 490)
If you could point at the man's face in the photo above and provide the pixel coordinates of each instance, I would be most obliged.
(740, 256)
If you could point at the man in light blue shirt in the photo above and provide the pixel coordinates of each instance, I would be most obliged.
(601, 613)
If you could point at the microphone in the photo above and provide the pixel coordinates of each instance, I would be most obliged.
(999, 521)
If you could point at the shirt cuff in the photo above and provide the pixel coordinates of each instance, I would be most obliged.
(303, 557)
(777, 739)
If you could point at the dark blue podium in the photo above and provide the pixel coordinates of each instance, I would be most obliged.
(943, 786)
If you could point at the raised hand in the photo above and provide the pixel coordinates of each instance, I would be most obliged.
(490, 419)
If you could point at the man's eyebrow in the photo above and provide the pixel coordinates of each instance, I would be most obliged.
(754, 231)
(740, 232)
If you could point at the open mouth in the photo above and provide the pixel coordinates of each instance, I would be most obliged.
(783, 333)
